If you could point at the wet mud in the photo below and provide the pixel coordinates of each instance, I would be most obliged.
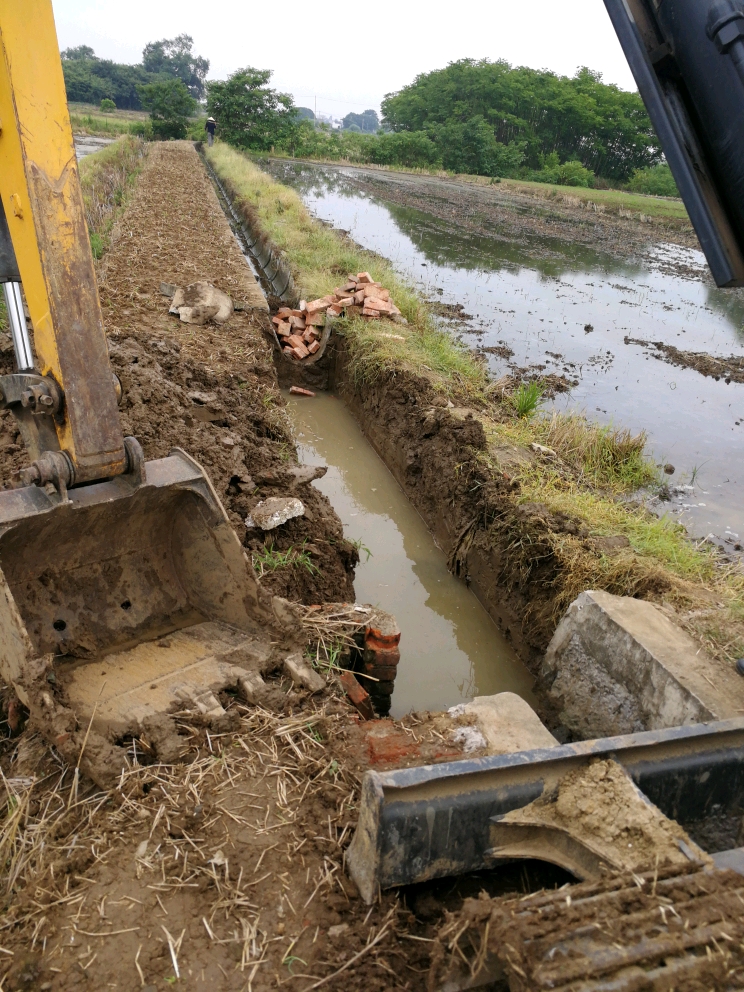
(729, 369)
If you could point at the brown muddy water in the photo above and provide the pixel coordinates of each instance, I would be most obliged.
(565, 308)
(450, 649)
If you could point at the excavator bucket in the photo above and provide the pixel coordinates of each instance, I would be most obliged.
(125, 595)
(131, 598)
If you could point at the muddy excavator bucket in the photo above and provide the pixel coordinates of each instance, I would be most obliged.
(130, 599)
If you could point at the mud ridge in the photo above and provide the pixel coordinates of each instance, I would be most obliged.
(729, 369)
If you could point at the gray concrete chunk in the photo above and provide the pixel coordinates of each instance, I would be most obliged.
(618, 665)
(302, 674)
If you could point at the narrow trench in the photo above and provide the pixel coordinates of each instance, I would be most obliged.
(451, 650)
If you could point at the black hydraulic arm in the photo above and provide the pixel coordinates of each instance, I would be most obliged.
(687, 57)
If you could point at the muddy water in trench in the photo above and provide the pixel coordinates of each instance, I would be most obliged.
(536, 295)
(450, 648)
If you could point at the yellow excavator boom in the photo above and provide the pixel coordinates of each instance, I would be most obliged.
(103, 556)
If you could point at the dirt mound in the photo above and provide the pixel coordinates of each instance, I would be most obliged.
(730, 369)
(673, 928)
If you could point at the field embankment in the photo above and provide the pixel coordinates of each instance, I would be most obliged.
(531, 510)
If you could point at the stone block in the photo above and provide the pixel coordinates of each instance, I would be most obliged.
(507, 722)
(302, 674)
(618, 665)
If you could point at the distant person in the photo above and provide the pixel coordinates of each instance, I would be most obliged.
(209, 128)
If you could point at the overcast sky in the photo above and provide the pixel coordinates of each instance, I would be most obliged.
(350, 55)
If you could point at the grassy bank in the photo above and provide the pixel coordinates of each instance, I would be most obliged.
(106, 177)
(582, 477)
(617, 202)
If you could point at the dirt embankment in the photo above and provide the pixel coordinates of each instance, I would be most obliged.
(500, 212)
(210, 390)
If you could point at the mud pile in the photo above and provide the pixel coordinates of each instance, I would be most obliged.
(671, 928)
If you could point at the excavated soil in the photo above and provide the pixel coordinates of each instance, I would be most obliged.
(211, 389)
(666, 929)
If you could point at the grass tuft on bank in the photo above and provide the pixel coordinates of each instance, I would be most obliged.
(106, 177)
(579, 471)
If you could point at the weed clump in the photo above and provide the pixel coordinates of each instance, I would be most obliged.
(526, 398)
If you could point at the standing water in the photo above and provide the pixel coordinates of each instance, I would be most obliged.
(569, 309)
(450, 648)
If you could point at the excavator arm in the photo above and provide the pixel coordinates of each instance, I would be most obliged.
(70, 420)
(104, 557)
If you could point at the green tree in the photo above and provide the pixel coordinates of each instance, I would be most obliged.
(107, 105)
(657, 181)
(367, 122)
(80, 52)
(250, 113)
(170, 104)
(175, 57)
(579, 118)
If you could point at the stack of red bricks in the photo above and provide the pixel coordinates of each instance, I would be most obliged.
(299, 330)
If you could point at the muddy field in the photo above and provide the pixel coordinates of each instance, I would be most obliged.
(518, 217)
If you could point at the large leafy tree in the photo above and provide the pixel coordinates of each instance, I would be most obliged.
(367, 122)
(249, 113)
(175, 57)
(170, 104)
(579, 118)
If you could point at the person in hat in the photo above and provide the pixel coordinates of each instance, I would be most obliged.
(209, 128)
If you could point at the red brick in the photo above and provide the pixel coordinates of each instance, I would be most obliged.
(315, 319)
(346, 301)
(299, 391)
(284, 328)
(357, 695)
(371, 313)
(364, 277)
(288, 351)
(318, 305)
(372, 303)
(313, 347)
(294, 340)
(359, 298)
(300, 351)
(334, 310)
(297, 322)
(387, 745)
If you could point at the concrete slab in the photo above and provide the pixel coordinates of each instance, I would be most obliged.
(507, 723)
(182, 670)
(618, 665)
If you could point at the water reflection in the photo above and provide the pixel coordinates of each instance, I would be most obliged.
(563, 308)
(450, 648)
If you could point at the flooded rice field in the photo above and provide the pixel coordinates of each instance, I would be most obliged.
(556, 304)
(445, 632)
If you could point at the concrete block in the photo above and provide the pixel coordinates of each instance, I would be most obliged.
(618, 665)
(507, 723)
(302, 674)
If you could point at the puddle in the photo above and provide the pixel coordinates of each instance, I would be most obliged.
(450, 648)
(87, 144)
(537, 294)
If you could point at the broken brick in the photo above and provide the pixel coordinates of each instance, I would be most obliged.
(299, 391)
(375, 304)
(364, 277)
(357, 695)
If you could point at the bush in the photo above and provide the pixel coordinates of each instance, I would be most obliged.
(565, 174)
(657, 181)
(107, 105)
(170, 104)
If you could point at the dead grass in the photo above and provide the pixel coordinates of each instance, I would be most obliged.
(214, 860)
(106, 177)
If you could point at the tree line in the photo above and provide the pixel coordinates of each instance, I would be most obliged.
(478, 117)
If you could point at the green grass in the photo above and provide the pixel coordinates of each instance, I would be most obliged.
(526, 398)
(268, 560)
(107, 177)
